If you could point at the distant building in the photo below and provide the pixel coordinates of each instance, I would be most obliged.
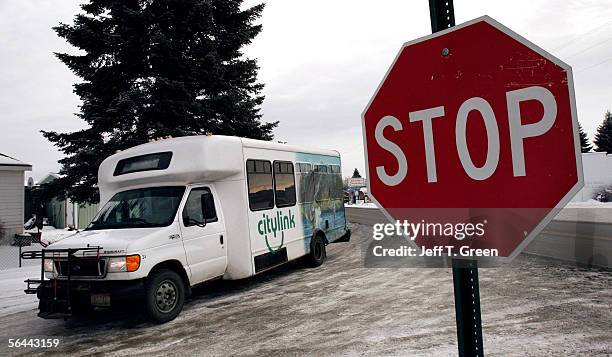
(65, 213)
(12, 178)
(356, 182)
(356, 191)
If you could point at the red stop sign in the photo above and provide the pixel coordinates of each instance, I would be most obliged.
(474, 124)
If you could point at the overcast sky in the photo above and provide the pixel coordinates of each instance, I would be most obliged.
(320, 61)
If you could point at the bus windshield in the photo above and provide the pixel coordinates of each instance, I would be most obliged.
(140, 208)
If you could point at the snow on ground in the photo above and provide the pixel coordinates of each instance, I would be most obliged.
(534, 307)
(9, 257)
(12, 297)
(9, 254)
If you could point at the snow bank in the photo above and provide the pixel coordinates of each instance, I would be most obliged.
(591, 211)
(590, 203)
(12, 297)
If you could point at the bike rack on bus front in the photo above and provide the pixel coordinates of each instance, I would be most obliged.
(67, 254)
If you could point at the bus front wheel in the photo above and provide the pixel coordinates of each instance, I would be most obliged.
(164, 296)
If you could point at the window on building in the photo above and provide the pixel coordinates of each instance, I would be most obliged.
(284, 184)
(259, 177)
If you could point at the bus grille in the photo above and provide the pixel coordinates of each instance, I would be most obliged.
(81, 267)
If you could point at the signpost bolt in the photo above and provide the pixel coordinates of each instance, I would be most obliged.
(445, 52)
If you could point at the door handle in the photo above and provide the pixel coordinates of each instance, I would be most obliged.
(221, 239)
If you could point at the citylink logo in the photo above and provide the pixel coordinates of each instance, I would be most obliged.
(272, 226)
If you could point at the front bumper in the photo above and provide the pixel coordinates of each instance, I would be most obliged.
(58, 298)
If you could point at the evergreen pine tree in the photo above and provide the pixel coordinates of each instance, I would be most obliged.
(152, 69)
(585, 145)
(603, 137)
(356, 174)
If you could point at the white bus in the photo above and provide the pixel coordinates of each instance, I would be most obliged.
(178, 212)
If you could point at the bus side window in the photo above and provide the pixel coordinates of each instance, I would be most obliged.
(284, 184)
(306, 178)
(336, 182)
(259, 178)
(322, 184)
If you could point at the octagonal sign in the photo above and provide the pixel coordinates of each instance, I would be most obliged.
(473, 134)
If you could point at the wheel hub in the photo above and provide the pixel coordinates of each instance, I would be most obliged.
(166, 296)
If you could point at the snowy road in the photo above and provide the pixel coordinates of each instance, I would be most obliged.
(535, 307)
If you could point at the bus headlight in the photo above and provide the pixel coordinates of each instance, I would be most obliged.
(48, 265)
(124, 264)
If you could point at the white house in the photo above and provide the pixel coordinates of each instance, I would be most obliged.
(65, 213)
(11, 196)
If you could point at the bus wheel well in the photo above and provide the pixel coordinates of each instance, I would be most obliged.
(321, 234)
(176, 266)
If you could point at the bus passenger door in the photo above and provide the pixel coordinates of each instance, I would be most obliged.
(203, 234)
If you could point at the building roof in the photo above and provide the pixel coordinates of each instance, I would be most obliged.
(7, 161)
(51, 176)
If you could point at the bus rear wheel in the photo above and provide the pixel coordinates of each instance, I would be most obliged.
(317, 254)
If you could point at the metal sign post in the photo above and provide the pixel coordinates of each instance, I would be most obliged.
(467, 307)
(465, 272)
(442, 14)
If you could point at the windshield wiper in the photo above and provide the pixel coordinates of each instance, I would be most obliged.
(138, 220)
(131, 222)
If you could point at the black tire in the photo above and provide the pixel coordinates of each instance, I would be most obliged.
(317, 254)
(164, 295)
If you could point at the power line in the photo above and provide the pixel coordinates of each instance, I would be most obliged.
(581, 36)
(595, 65)
(588, 48)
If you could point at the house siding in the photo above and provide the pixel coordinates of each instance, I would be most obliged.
(11, 204)
(86, 214)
